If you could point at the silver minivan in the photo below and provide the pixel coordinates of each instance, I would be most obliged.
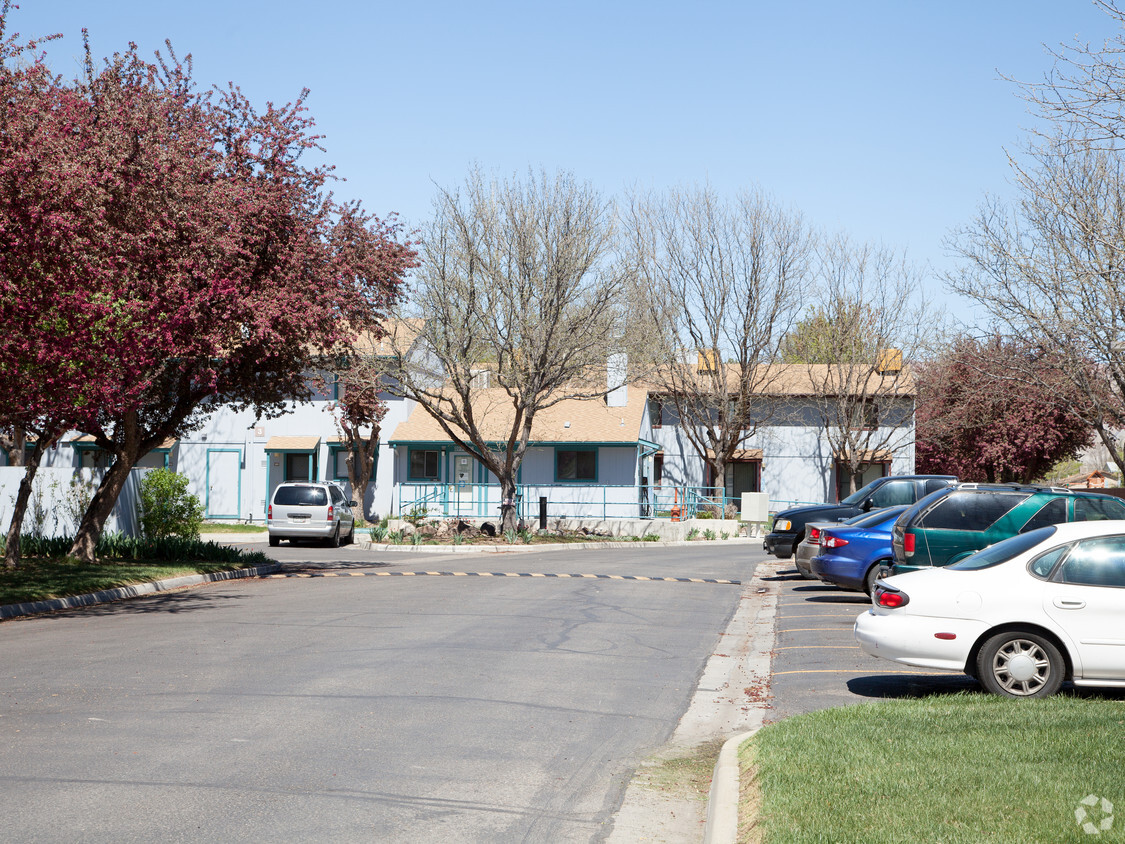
(310, 510)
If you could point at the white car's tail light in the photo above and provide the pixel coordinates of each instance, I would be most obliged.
(814, 535)
(269, 513)
(329, 512)
(885, 596)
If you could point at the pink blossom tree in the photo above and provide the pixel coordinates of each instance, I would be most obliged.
(206, 263)
(985, 414)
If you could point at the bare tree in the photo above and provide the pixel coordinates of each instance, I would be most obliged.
(518, 281)
(1085, 90)
(719, 285)
(871, 322)
(361, 374)
(1049, 269)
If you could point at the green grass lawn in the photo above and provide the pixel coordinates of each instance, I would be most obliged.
(40, 578)
(218, 527)
(962, 768)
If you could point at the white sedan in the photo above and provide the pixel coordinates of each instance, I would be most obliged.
(1021, 616)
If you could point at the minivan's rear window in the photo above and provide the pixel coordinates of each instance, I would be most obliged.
(307, 496)
(971, 510)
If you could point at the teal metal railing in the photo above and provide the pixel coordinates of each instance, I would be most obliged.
(605, 501)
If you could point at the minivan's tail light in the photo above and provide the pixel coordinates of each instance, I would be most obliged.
(908, 544)
(833, 542)
(269, 513)
(329, 512)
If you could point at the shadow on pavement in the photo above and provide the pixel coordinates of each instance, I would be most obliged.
(854, 599)
(911, 685)
(178, 601)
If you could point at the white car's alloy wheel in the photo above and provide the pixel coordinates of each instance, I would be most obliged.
(1020, 665)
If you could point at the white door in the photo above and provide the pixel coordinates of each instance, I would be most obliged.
(223, 484)
(463, 479)
(1087, 599)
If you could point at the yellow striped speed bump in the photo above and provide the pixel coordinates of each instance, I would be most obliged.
(506, 574)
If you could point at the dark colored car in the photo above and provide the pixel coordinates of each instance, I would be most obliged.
(789, 525)
(852, 555)
(951, 524)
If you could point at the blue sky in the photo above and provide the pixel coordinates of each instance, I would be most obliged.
(888, 120)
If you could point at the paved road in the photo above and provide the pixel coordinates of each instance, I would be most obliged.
(418, 708)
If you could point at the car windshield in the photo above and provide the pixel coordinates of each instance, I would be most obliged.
(1005, 550)
(308, 496)
(858, 497)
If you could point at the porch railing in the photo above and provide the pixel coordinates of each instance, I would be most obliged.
(604, 501)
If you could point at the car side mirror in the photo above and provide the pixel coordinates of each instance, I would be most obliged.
(868, 504)
(353, 503)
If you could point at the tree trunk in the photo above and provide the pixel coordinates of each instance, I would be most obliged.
(94, 519)
(509, 513)
(719, 480)
(12, 550)
(361, 466)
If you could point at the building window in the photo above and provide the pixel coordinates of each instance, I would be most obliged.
(576, 464)
(870, 414)
(423, 465)
(340, 464)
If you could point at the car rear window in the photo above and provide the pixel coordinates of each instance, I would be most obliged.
(305, 496)
(976, 511)
(1097, 509)
(1005, 550)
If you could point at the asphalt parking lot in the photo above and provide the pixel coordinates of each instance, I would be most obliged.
(817, 663)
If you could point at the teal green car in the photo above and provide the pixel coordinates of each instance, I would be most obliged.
(949, 525)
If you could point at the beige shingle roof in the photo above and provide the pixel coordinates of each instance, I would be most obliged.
(801, 379)
(400, 336)
(292, 443)
(569, 421)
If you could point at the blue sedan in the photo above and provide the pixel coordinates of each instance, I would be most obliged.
(851, 554)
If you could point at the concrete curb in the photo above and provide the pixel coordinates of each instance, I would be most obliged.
(530, 549)
(132, 591)
(723, 799)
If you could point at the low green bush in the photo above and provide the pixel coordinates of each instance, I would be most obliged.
(167, 508)
(117, 546)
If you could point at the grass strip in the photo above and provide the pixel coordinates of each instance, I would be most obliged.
(41, 578)
(958, 768)
(218, 527)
